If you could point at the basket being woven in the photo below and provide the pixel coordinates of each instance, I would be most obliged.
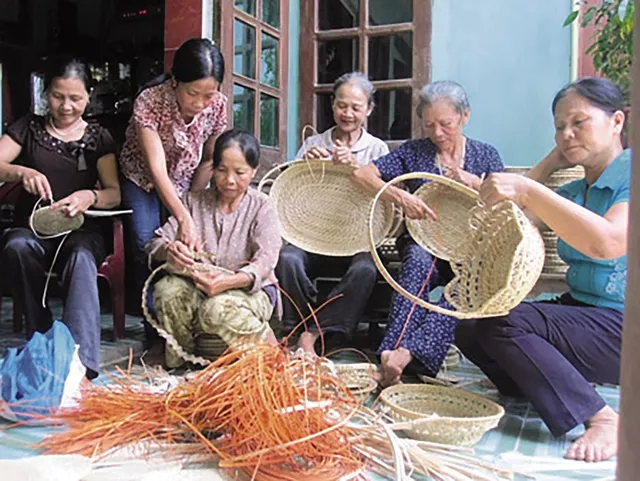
(53, 222)
(441, 414)
(442, 237)
(321, 212)
(497, 264)
(358, 378)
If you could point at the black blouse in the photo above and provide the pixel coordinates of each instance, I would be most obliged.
(68, 166)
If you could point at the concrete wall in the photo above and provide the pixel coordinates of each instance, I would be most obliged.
(511, 57)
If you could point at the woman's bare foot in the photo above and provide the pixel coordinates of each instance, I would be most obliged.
(600, 440)
(393, 363)
(307, 341)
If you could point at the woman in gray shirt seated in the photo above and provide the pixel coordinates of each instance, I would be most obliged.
(346, 143)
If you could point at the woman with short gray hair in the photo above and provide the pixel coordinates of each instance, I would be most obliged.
(346, 143)
(443, 108)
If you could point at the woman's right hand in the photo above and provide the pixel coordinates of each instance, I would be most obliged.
(556, 160)
(36, 183)
(187, 233)
(317, 153)
(415, 208)
(179, 256)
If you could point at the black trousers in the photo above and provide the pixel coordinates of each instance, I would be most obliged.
(295, 270)
(25, 262)
(549, 352)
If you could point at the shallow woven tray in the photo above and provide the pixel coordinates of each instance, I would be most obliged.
(446, 415)
(321, 211)
(500, 262)
(50, 222)
(452, 203)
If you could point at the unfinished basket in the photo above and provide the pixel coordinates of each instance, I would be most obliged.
(359, 378)
(440, 414)
(442, 237)
(52, 222)
(321, 211)
(500, 260)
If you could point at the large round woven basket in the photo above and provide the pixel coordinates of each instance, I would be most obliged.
(453, 202)
(499, 261)
(321, 211)
(441, 414)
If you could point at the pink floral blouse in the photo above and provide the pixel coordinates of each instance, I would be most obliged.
(156, 108)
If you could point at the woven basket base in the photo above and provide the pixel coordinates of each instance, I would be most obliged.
(48, 221)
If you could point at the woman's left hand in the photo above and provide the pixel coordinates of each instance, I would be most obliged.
(76, 203)
(342, 154)
(464, 177)
(210, 282)
(499, 187)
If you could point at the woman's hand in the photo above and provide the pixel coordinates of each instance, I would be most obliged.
(467, 178)
(36, 183)
(342, 154)
(211, 282)
(317, 153)
(179, 256)
(187, 233)
(415, 208)
(499, 187)
(556, 160)
(76, 203)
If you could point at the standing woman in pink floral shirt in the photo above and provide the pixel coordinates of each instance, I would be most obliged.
(168, 150)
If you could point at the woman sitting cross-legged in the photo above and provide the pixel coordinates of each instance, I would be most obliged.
(346, 143)
(444, 110)
(551, 352)
(239, 227)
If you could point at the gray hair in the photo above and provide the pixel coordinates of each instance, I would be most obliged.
(443, 89)
(358, 78)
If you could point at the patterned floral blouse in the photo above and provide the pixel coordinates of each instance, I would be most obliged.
(156, 108)
(246, 240)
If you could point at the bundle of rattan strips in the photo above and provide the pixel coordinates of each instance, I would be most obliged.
(496, 253)
(321, 211)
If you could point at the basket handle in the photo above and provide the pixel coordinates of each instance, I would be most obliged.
(266, 180)
(378, 262)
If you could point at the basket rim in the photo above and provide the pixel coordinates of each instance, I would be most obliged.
(312, 167)
(387, 392)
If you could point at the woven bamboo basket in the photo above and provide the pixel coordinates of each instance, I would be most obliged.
(53, 222)
(320, 210)
(359, 378)
(500, 261)
(441, 414)
(442, 237)
(208, 347)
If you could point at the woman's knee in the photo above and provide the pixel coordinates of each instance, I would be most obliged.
(18, 242)
(291, 260)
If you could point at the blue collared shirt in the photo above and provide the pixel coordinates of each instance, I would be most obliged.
(594, 281)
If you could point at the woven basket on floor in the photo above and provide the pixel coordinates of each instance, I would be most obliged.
(500, 260)
(321, 211)
(359, 378)
(441, 414)
(442, 237)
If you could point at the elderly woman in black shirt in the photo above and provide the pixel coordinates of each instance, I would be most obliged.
(60, 158)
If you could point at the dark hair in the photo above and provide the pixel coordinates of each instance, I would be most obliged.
(246, 142)
(599, 92)
(67, 67)
(197, 58)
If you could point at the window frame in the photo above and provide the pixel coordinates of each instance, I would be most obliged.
(225, 36)
(419, 27)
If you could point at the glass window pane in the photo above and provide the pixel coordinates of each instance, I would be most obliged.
(393, 57)
(269, 61)
(244, 49)
(269, 120)
(386, 12)
(391, 117)
(336, 57)
(334, 14)
(271, 12)
(243, 108)
(248, 6)
(324, 118)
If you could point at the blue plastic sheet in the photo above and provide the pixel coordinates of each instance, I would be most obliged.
(33, 376)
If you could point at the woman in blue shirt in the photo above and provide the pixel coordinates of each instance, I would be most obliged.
(551, 352)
